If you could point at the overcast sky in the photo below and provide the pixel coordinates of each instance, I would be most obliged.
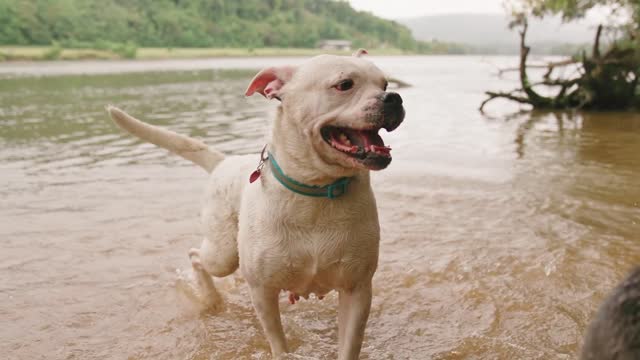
(396, 9)
(393, 9)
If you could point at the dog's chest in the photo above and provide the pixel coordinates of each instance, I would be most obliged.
(312, 259)
(315, 264)
(308, 245)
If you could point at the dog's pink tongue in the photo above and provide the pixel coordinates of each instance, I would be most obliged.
(340, 143)
(365, 136)
(372, 142)
(352, 141)
(382, 150)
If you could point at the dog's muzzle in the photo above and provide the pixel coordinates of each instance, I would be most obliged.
(392, 110)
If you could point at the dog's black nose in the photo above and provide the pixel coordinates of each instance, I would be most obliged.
(393, 110)
(391, 98)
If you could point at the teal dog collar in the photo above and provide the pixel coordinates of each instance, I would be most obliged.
(331, 191)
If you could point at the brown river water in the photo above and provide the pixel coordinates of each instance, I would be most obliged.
(501, 234)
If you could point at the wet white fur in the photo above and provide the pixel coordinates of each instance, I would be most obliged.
(278, 239)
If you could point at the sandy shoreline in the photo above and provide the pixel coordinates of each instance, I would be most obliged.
(40, 53)
(97, 67)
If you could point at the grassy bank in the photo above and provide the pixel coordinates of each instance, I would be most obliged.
(36, 53)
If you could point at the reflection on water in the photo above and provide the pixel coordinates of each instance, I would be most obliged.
(66, 115)
(500, 235)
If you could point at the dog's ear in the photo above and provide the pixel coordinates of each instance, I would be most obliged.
(360, 52)
(269, 81)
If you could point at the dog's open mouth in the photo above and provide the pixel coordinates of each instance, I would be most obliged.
(364, 145)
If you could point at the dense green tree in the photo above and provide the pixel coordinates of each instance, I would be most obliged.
(570, 9)
(195, 23)
(607, 77)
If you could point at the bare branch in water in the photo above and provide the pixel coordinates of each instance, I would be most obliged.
(399, 83)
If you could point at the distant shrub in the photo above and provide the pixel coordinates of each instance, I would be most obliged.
(127, 50)
(75, 44)
(103, 45)
(54, 51)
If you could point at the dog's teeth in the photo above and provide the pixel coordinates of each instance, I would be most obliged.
(343, 138)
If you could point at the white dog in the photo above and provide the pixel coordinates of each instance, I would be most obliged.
(308, 222)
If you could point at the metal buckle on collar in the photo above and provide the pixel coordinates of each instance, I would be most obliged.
(338, 188)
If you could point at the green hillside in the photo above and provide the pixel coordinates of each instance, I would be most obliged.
(196, 23)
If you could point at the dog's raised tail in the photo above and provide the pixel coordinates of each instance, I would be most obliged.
(191, 149)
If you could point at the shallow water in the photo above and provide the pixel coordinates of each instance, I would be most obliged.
(500, 234)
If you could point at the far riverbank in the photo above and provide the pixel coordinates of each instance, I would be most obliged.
(49, 53)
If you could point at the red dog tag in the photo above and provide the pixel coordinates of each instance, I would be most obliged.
(254, 176)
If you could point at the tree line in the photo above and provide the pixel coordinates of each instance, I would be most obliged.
(199, 23)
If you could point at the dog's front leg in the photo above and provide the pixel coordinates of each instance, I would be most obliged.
(353, 312)
(265, 301)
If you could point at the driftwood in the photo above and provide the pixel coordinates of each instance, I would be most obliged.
(549, 66)
(604, 81)
(398, 83)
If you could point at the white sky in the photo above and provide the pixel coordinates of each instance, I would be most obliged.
(394, 9)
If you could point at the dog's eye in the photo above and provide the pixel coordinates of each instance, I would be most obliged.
(344, 85)
(386, 83)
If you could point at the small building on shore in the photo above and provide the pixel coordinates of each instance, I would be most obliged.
(334, 45)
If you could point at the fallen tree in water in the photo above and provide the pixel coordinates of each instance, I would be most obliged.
(603, 81)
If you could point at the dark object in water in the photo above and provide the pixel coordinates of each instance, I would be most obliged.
(614, 334)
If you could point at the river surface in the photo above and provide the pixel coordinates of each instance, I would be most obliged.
(501, 234)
